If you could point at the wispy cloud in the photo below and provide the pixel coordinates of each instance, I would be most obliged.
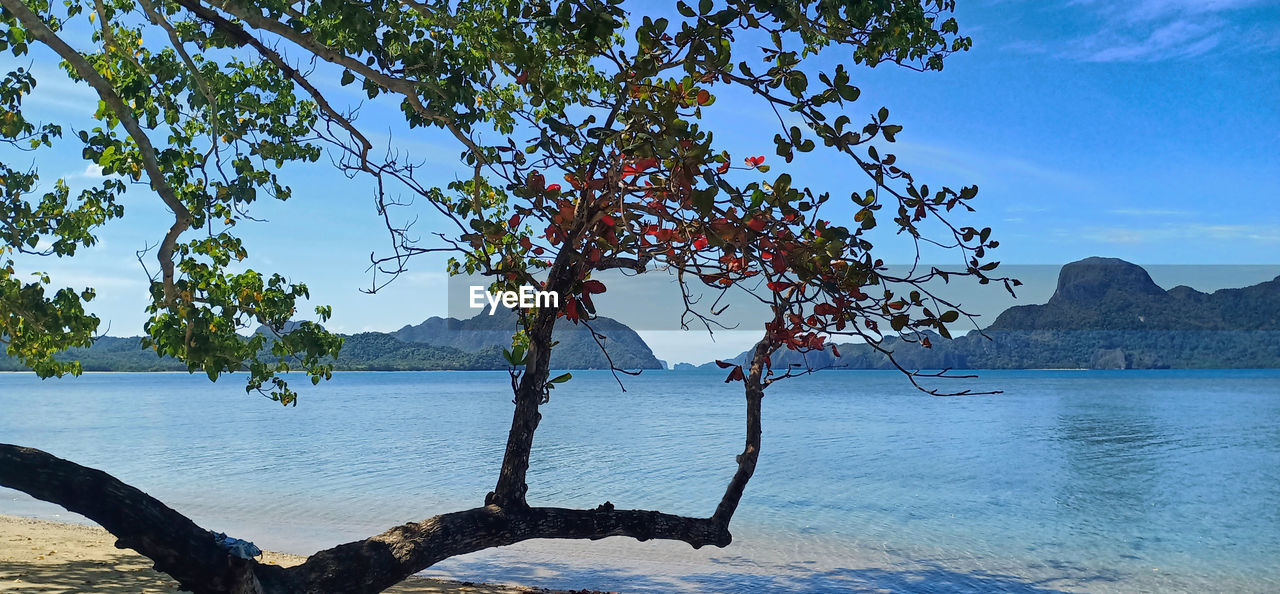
(1150, 212)
(1173, 40)
(1159, 30)
(976, 164)
(1268, 234)
(1151, 10)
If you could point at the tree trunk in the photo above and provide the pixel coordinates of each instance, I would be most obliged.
(511, 488)
(139, 521)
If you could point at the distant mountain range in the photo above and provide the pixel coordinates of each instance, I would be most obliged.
(1105, 314)
(435, 344)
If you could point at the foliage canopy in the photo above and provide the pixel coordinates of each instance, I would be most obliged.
(204, 103)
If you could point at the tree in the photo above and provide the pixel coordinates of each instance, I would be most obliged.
(609, 100)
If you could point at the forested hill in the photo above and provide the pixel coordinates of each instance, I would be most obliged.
(1105, 314)
(1111, 294)
(577, 348)
(436, 344)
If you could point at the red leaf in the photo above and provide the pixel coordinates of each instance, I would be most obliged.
(723, 364)
(723, 167)
(593, 286)
(522, 78)
(735, 375)
(514, 221)
(553, 188)
(607, 220)
(756, 225)
(700, 243)
(779, 286)
(835, 351)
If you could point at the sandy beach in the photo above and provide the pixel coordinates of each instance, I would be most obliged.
(42, 556)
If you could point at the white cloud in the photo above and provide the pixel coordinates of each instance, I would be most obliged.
(1157, 30)
(1267, 234)
(1177, 39)
(92, 172)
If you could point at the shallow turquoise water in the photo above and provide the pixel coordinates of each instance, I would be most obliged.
(1069, 480)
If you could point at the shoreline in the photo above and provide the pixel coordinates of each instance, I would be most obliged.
(655, 369)
(45, 556)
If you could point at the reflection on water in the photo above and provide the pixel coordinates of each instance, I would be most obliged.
(1111, 453)
(1069, 481)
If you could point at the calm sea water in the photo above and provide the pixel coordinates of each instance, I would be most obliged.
(1068, 481)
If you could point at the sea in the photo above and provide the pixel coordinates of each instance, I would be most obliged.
(1063, 481)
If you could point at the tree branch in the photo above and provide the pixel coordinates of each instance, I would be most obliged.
(182, 217)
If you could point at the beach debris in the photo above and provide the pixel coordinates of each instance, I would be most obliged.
(240, 548)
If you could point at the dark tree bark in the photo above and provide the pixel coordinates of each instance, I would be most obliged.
(139, 521)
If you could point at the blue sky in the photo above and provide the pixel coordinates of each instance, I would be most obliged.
(1144, 130)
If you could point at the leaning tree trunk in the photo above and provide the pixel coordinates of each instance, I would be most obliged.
(139, 521)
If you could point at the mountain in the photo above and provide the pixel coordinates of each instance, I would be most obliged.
(435, 344)
(577, 349)
(1104, 314)
(1111, 294)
